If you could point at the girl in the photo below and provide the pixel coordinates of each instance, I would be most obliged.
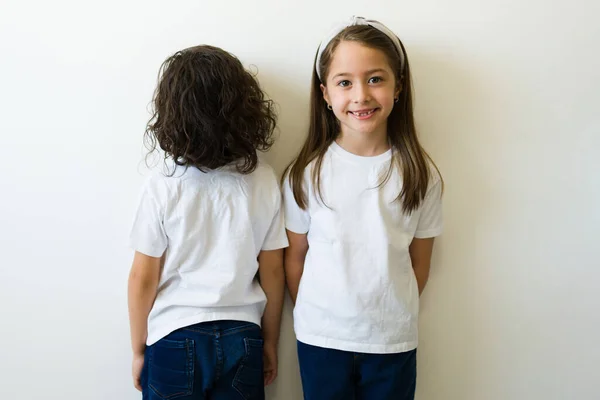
(362, 204)
(201, 233)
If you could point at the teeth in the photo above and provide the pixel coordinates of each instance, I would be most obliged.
(362, 114)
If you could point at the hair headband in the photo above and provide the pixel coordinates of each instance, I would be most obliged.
(359, 21)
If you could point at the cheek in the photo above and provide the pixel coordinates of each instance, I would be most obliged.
(387, 98)
(335, 97)
(339, 111)
(338, 102)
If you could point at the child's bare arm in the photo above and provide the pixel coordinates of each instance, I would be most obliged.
(141, 292)
(143, 281)
(272, 280)
(420, 254)
(294, 261)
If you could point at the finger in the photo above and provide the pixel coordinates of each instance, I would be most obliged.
(270, 377)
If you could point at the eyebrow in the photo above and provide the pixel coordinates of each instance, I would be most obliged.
(369, 72)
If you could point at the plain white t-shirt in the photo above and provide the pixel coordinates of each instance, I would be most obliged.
(210, 226)
(358, 291)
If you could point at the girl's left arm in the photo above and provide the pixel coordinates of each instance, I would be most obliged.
(420, 254)
(141, 293)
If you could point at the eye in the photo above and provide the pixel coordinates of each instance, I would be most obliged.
(344, 83)
(375, 79)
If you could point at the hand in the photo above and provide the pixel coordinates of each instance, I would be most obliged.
(136, 370)
(270, 362)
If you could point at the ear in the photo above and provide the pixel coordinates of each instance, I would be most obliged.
(325, 94)
(398, 89)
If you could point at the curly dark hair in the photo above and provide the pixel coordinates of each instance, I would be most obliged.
(208, 111)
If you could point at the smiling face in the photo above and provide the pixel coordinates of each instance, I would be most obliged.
(360, 87)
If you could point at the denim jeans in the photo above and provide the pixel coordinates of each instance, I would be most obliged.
(218, 360)
(329, 374)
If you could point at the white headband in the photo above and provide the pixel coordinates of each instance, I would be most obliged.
(359, 21)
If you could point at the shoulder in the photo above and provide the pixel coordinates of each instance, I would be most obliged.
(265, 171)
(264, 175)
(435, 176)
(155, 182)
(263, 181)
(309, 169)
(160, 182)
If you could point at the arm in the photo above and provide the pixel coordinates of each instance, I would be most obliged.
(420, 254)
(294, 261)
(143, 282)
(272, 280)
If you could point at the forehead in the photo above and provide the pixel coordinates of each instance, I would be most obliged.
(355, 58)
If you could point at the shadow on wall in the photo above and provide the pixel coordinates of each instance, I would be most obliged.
(447, 96)
(292, 108)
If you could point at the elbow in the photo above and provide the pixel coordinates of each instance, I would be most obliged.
(142, 280)
(274, 274)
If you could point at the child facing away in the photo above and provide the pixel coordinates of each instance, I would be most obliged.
(202, 233)
(362, 207)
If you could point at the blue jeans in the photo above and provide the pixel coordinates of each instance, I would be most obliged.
(219, 360)
(329, 374)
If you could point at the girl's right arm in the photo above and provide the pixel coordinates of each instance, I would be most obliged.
(294, 261)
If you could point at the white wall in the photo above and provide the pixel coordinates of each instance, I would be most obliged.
(506, 94)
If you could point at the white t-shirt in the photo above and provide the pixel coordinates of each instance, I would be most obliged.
(211, 227)
(358, 291)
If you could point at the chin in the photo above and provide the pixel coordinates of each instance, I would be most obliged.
(366, 130)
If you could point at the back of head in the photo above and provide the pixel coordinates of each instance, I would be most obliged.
(208, 111)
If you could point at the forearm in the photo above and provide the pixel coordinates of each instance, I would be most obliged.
(272, 281)
(141, 294)
(295, 255)
(273, 284)
(294, 267)
(420, 254)
(422, 275)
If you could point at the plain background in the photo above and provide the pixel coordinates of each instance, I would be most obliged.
(506, 95)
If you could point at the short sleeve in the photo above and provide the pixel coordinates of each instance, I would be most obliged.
(276, 237)
(430, 219)
(297, 220)
(148, 234)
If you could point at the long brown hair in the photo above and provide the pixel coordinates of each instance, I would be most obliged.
(208, 111)
(324, 127)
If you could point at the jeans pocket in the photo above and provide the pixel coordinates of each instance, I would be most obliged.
(171, 369)
(249, 378)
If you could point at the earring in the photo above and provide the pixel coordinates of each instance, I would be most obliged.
(396, 99)
(329, 107)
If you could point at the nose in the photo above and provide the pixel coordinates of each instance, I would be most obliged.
(361, 93)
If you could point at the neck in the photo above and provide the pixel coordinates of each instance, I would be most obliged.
(369, 145)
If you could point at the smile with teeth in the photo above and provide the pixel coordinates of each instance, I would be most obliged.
(363, 113)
